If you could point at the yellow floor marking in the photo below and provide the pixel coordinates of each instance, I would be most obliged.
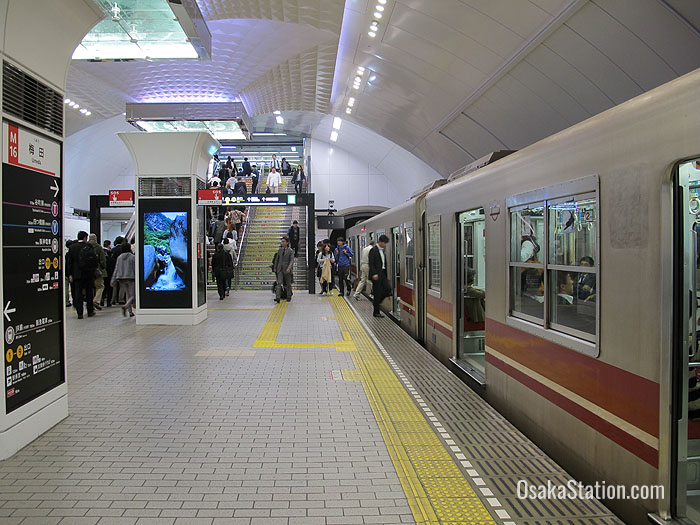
(241, 309)
(435, 487)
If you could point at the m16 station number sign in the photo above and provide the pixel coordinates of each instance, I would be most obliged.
(32, 265)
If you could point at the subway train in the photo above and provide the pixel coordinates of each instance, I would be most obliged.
(561, 281)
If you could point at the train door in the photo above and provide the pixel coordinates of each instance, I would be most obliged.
(396, 266)
(685, 498)
(471, 291)
(420, 279)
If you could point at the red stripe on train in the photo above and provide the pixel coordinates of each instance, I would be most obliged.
(629, 396)
(617, 435)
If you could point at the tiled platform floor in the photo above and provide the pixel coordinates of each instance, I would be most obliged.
(218, 424)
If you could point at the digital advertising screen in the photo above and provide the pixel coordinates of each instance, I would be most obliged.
(166, 271)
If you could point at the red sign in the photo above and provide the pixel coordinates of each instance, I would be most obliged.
(495, 210)
(212, 197)
(121, 198)
(13, 144)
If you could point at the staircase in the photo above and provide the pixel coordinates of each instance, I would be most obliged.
(268, 226)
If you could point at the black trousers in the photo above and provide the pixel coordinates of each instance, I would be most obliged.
(221, 285)
(107, 294)
(297, 187)
(295, 247)
(84, 290)
(344, 279)
(254, 188)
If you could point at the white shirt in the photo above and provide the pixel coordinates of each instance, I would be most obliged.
(274, 179)
(365, 254)
(381, 252)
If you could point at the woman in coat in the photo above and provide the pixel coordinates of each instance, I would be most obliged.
(125, 275)
(325, 262)
(222, 268)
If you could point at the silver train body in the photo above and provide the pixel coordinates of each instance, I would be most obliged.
(489, 274)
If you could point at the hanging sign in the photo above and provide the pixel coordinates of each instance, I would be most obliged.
(121, 198)
(211, 197)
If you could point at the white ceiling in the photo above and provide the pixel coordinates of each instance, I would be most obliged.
(455, 79)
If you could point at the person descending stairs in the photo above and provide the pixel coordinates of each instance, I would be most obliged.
(266, 229)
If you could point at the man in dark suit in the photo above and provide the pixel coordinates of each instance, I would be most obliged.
(283, 266)
(293, 234)
(377, 271)
(247, 170)
(81, 275)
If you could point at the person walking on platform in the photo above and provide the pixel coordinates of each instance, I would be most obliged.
(298, 180)
(325, 262)
(274, 180)
(364, 270)
(117, 294)
(293, 234)
(255, 178)
(377, 270)
(81, 264)
(342, 255)
(222, 268)
(283, 265)
(125, 275)
(101, 271)
(107, 295)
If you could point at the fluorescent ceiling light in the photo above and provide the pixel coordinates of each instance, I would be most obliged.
(66, 101)
(348, 111)
(377, 14)
(337, 121)
(267, 134)
(294, 148)
(88, 113)
(334, 136)
(382, 1)
(372, 34)
(351, 101)
(280, 119)
(379, 7)
(220, 129)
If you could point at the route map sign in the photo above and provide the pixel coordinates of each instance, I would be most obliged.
(32, 265)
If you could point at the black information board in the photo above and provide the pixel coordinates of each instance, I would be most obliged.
(330, 222)
(32, 279)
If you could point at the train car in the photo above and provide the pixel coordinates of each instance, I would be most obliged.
(564, 279)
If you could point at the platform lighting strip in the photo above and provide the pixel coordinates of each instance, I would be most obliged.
(75, 105)
(337, 122)
(378, 14)
(476, 478)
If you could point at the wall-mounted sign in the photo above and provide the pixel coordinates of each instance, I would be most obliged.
(119, 198)
(211, 197)
(330, 222)
(32, 262)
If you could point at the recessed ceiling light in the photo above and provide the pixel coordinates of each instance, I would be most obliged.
(279, 119)
(373, 78)
(382, 1)
(75, 105)
(379, 8)
(377, 14)
(358, 79)
(83, 110)
(334, 136)
(372, 34)
(374, 27)
(360, 69)
(66, 101)
(88, 113)
(348, 111)
(351, 102)
(278, 112)
(337, 121)
(294, 148)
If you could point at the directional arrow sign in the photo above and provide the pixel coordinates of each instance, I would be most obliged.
(7, 311)
(55, 188)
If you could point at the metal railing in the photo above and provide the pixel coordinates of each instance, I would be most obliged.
(242, 244)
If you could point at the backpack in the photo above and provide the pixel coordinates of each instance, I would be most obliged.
(87, 258)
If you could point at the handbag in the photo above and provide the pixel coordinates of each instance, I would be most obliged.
(268, 190)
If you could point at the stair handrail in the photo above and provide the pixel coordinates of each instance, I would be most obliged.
(243, 241)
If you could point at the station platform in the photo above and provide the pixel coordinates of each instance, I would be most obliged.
(308, 412)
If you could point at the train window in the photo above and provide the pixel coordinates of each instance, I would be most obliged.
(434, 255)
(408, 229)
(527, 268)
(553, 261)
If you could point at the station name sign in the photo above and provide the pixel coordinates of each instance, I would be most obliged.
(215, 197)
(119, 198)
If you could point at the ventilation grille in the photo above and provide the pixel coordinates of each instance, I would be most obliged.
(30, 100)
(201, 185)
(165, 187)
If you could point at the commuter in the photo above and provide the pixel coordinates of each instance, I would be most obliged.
(298, 180)
(237, 218)
(293, 234)
(377, 270)
(273, 181)
(275, 164)
(286, 167)
(66, 283)
(282, 266)
(364, 270)
(565, 288)
(240, 188)
(247, 170)
(231, 167)
(117, 293)
(224, 175)
(230, 248)
(222, 268)
(586, 284)
(319, 249)
(325, 261)
(81, 264)
(215, 181)
(218, 229)
(230, 185)
(107, 296)
(474, 303)
(342, 255)
(125, 275)
(255, 177)
(100, 272)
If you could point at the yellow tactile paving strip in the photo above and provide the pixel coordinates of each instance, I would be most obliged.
(436, 489)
